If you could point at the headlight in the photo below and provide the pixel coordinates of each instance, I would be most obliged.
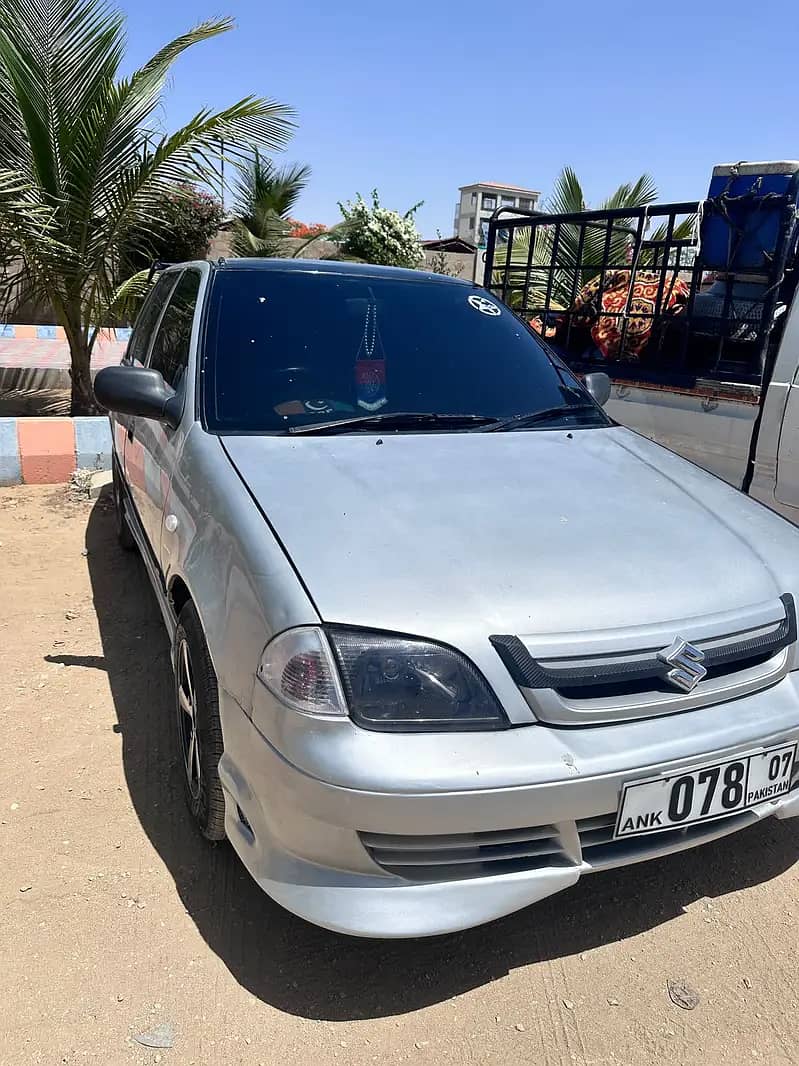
(405, 685)
(384, 682)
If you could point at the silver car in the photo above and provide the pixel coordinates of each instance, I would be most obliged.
(445, 638)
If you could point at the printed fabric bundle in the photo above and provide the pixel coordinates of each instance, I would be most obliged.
(606, 329)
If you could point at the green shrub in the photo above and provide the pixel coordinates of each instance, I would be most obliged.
(376, 235)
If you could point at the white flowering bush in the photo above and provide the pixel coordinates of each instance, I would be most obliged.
(376, 235)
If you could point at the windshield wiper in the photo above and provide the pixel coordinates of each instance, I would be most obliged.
(548, 414)
(396, 420)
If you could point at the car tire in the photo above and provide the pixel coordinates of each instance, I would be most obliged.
(124, 535)
(199, 730)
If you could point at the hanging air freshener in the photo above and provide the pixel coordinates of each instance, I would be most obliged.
(370, 373)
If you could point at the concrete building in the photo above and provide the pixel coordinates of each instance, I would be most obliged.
(479, 201)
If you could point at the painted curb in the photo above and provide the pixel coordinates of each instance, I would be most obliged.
(47, 451)
(10, 466)
(92, 443)
(21, 332)
(100, 480)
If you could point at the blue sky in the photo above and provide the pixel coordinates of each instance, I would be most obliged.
(418, 98)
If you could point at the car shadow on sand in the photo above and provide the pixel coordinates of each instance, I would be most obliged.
(307, 971)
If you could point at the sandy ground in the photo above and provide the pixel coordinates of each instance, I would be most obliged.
(115, 916)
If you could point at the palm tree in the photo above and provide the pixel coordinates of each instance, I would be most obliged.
(265, 196)
(568, 198)
(80, 163)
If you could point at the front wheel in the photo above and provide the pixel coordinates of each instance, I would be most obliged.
(199, 728)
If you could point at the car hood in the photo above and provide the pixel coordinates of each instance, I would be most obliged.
(460, 535)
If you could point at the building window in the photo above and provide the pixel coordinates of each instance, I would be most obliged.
(489, 201)
(471, 222)
(474, 198)
(525, 205)
(509, 201)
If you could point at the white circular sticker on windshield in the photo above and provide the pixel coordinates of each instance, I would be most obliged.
(484, 306)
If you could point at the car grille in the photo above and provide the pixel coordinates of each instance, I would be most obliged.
(600, 850)
(461, 855)
(572, 679)
(467, 855)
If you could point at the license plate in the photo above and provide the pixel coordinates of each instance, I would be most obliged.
(704, 792)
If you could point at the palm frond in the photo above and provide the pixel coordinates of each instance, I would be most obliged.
(245, 243)
(56, 58)
(78, 140)
(265, 196)
(683, 230)
(639, 193)
(126, 298)
(567, 196)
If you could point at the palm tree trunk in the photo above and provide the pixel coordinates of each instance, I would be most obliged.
(82, 400)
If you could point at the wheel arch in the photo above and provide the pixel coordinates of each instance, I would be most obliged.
(180, 595)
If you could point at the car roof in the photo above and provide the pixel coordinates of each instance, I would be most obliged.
(331, 266)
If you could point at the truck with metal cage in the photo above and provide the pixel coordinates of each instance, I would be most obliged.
(691, 310)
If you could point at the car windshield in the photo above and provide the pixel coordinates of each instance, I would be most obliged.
(288, 351)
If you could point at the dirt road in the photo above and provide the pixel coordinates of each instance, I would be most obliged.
(116, 918)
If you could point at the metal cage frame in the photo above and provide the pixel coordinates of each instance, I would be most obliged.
(527, 286)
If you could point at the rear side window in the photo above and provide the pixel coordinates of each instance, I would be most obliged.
(170, 352)
(147, 319)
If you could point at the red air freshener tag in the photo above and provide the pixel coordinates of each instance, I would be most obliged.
(370, 382)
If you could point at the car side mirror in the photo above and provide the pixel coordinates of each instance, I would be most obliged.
(598, 385)
(137, 390)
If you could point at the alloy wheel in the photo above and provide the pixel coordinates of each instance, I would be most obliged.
(187, 721)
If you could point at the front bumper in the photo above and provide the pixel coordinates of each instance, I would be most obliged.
(306, 802)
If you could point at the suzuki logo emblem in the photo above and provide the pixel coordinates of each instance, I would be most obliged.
(484, 306)
(686, 664)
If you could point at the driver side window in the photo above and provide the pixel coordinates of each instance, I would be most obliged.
(146, 320)
(170, 350)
